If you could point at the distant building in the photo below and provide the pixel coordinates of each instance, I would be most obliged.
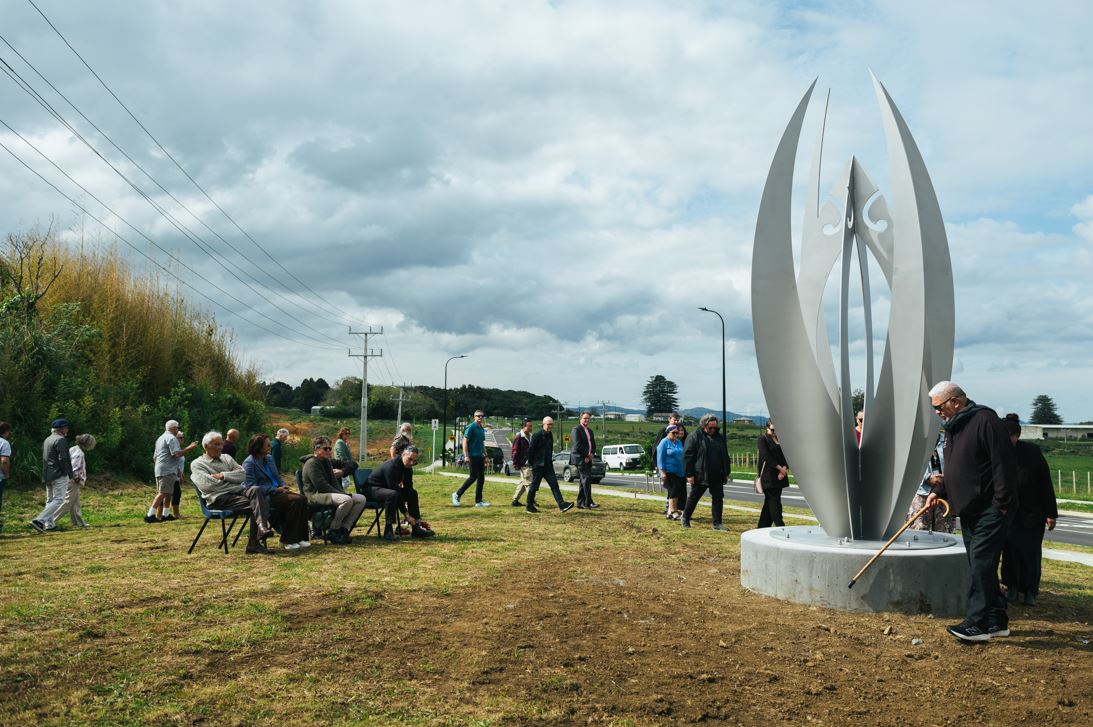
(1057, 431)
(637, 418)
(320, 410)
(615, 416)
(659, 416)
(743, 420)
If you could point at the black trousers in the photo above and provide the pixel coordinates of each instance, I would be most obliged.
(410, 502)
(390, 499)
(538, 474)
(772, 508)
(984, 536)
(717, 495)
(584, 491)
(1021, 558)
(477, 476)
(176, 496)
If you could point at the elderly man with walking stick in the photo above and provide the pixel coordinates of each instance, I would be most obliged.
(979, 481)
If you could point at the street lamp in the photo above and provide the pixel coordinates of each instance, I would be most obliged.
(724, 409)
(444, 434)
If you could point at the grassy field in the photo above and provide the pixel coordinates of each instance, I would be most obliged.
(607, 617)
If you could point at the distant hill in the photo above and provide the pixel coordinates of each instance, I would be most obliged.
(695, 411)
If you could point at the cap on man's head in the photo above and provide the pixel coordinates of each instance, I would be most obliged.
(60, 423)
(671, 428)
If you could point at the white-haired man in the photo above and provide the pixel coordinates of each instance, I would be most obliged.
(220, 479)
(402, 440)
(166, 454)
(979, 480)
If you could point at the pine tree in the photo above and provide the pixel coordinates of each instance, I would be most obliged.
(1043, 411)
(659, 395)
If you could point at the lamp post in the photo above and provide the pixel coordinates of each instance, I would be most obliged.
(724, 408)
(444, 434)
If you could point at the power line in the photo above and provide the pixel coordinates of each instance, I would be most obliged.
(150, 241)
(185, 231)
(175, 161)
(34, 94)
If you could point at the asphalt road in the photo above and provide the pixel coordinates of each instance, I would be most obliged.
(1073, 529)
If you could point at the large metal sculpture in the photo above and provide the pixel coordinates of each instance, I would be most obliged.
(856, 492)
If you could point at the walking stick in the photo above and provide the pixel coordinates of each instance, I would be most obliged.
(892, 539)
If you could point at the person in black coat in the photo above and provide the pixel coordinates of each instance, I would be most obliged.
(706, 465)
(541, 460)
(979, 481)
(1036, 509)
(582, 440)
(392, 483)
(773, 476)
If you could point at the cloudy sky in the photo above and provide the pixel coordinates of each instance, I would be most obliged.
(553, 188)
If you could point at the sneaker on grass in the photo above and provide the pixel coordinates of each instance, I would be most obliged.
(455, 499)
(482, 504)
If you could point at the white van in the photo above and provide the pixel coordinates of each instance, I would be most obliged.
(621, 456)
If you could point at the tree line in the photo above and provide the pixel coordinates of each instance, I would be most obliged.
(117, 354)
(419, 402)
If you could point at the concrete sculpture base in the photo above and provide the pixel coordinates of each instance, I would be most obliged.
(921, 573)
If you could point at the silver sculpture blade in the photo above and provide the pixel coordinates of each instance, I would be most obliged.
(856, 492)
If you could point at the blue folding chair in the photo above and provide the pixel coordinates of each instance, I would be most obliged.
(220, 515)
(359, 478)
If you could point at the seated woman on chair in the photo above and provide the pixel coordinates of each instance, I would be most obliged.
(289, 509)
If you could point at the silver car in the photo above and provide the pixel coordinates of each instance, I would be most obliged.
(568, 472)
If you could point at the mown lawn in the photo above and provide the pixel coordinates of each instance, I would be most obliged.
(611, 617)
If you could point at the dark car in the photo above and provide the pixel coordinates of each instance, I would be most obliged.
(568, 472)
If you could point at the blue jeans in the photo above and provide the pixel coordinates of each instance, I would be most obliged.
(984, 536)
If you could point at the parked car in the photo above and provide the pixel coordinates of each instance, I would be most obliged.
(568, 472)
(622, 456)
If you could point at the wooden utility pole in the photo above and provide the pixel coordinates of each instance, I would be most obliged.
(400, 399)
(368, 353)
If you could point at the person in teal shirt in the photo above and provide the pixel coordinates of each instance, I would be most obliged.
(474, 449)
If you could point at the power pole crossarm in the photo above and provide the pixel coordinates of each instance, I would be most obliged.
(366, 354)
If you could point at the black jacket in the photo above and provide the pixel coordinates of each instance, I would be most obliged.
(770, 457)
(579, 444)
(1034, 491)
(980, 466)
(392, 474)
(706, 459)
(541, 449)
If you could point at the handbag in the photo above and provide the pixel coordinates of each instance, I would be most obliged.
(759, 480)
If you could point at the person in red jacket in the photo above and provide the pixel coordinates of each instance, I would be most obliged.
(520, 444)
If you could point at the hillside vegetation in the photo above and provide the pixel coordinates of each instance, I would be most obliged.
(116, 352)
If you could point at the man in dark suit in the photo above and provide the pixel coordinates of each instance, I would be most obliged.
(582, 441)
(541, 461)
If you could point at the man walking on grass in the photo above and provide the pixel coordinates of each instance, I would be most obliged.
(520, 444)
(56, 472)
(979, 482)
(541, 459)
(474, 449)
(706, 464)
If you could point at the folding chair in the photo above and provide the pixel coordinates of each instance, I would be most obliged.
(360, 477)
(220, 515)
(317, 529)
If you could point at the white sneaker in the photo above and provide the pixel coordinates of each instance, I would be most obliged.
(455, 499)
(292, 546)
(482, 504)
(304, 543)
